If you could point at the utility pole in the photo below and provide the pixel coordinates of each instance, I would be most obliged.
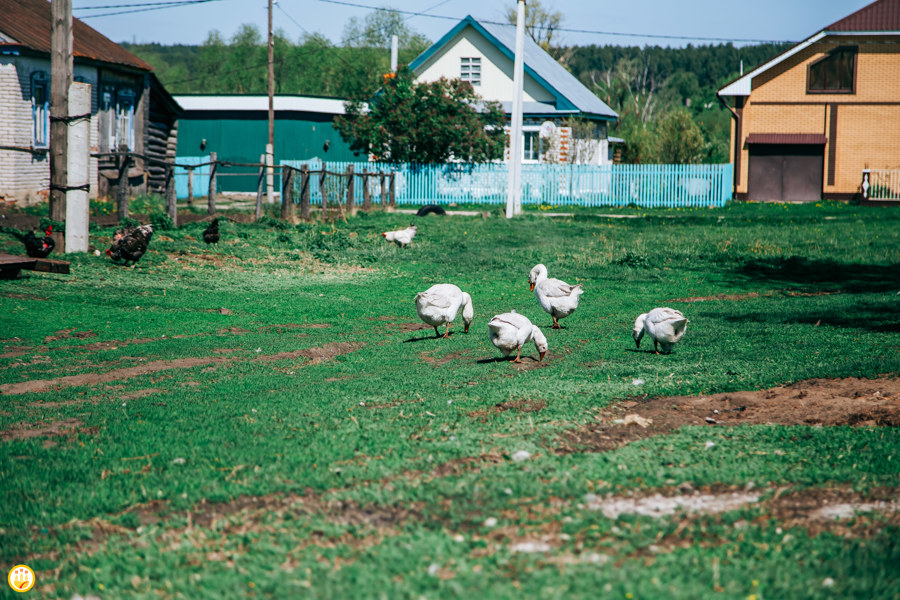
(270, 146)
(60, 79)
(514, 185)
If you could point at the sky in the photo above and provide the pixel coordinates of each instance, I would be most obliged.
(585, 22)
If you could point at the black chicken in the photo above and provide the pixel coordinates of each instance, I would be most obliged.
(130, 244)
(211, 233)
(35, 247)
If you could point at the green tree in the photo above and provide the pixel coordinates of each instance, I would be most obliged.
(680, 139)
(424, 123)
(376, 29)
(540, 23)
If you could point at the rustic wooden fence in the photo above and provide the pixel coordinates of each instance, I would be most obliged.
(333, 190)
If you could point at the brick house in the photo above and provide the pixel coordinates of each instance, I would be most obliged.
(483, 54)
(806, 123)
(129, 106)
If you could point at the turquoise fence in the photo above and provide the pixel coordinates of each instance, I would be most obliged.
(555, 185)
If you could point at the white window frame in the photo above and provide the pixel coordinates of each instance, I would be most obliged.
(531, 153)
(117, 117)
(40, 110)
(470, 69)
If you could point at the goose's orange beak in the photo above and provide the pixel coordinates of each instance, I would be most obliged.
(531, 283)
(542, 356)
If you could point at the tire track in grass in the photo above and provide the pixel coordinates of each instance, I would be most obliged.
(316, 355)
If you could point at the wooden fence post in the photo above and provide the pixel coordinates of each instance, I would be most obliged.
(323, 192)
(351, 199)
(393, 190)
(304, 192)
(171, 200)
(213, 167)
(287, 193)
(260, 185)
(123, 158)
(367, 199)
(190, 198)
(383, 181)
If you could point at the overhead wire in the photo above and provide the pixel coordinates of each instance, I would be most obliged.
(147, 8)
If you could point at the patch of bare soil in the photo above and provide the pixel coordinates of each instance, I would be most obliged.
(749, 295)
(24, 431)
(408, 327)
(108, 345)
(317, 354)
(40, 385)
(66, 334)
(851, 401)
(443, 360)
(520, 406)
(20, 296)
(14, 351)
(140, 394)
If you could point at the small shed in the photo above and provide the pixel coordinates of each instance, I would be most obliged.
(236, 128)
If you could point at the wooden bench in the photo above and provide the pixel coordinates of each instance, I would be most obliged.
(11, 265)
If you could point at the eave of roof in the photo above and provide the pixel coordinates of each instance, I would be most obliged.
(570, 94)
(202, 102)
(877, 19)
(28, 23)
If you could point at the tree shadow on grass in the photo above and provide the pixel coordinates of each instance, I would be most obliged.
(819, 275)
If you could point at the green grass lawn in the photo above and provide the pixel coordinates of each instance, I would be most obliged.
(269, 418)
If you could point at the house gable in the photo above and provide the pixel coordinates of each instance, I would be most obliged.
(546, 81)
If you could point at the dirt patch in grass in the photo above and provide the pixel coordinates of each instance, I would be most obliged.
(140, 394)
(851, 401)
(317, 354)
(66, 334)
(40, 385)
(66, 427)
(443, 360)
(410, 326)
(20, 296)
(520, 406)
(108, 345)
(15, 351)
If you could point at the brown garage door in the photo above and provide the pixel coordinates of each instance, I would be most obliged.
(786, 173)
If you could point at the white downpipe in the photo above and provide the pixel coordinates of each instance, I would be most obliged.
(514, 190)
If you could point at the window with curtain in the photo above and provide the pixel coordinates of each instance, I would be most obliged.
(40, 110)
(470, 70)
(116, 117)
(833, 73)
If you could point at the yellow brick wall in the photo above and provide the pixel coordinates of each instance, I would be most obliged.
(868, 121)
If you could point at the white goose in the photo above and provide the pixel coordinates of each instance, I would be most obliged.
(556, 297)
(439, 304)
(666, 326)
(510, 331)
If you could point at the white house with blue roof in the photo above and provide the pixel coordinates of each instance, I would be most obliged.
(483, 54)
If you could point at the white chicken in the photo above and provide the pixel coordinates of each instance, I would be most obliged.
(556, 297)
(665, 326)
(510, 331)
(401, 237)
(439, 304)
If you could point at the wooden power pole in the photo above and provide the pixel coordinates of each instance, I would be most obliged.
(60, 79)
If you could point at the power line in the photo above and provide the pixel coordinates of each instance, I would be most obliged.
(151, 6)
(584, 31)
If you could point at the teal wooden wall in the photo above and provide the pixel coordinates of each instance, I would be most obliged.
(241, 137)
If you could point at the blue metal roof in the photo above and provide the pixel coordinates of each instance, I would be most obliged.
(571, 95)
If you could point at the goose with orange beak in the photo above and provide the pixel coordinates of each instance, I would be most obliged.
(510, 331)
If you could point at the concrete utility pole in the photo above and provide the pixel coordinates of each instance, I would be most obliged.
(395, 46)
(514, 186)
(270, 146)
(60, 79)
(78, 172)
